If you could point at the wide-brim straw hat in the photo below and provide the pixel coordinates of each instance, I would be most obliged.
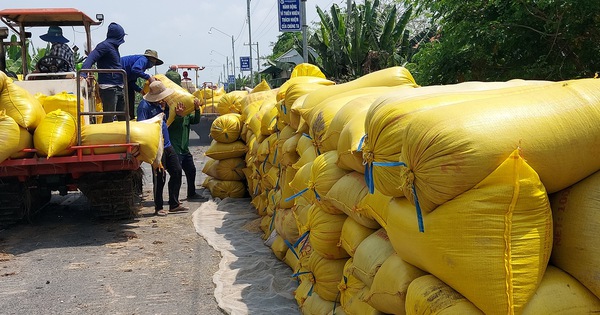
(157, 91)
(54, 35)
(153, 54)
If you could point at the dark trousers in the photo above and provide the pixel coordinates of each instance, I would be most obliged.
(171, 165)
(112, 100)
(187, 164)
(131, 99)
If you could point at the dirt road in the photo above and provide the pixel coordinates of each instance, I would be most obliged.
(65, 262)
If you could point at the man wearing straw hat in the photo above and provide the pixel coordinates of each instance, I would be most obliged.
(59, 48)
(135, 66)
(153, 104)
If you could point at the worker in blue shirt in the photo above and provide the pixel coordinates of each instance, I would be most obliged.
(106, 56)
(135, 66)
(153, 104)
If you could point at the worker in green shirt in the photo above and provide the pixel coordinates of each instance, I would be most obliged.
(173, 75)
(179, 133)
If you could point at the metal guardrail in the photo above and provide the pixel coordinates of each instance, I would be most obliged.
(91, 92)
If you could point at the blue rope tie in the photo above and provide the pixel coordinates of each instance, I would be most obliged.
(296, 195)
(283, 108)
(272, 218)
(291, 247)
(275, 156)
(307, 135)
(369, 172)
(361, 142)
(419, 213)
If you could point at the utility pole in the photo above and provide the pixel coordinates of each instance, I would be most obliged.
(257, 54)
(250, 41)
(304, 28)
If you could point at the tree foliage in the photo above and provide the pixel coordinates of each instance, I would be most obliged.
(491, 40)
(372, 37)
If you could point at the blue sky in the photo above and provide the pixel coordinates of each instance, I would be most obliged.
(178, 30)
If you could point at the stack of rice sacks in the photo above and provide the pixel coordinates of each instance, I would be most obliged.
(228, 166)
(47, 124)
(378, 229)
(210, 98)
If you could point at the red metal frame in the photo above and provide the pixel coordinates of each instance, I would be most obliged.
(75, 165)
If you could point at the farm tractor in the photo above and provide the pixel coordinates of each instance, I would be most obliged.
(111, 182)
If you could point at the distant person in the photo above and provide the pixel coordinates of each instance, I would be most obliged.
(152, 104)
(187, 83)
(106, 56)
(179, 133)
(59, 49)
(136, 66)
(173, 75)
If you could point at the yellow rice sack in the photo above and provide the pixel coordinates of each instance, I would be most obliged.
(285, 225)
(394, 76)
(227, 169)
(509, 211)
(352, 292)
(261, 87)
(559, 293)
(224, 188)
(388, 291)
(63, 101)
(25, 142)
(9, 135)
(226, 128)
(301, 79)
(306, 69)
(372, 252)
(389, 115)
(221, 151)
(181, 95)
(55, 134)
(350, 110)
(327, 274)
(231, 102)
(23, 107)
(375, 206)
(352, 235)
(294, 92)
(325, 231)
(576, 218)
(452, 148)
(349, 144)
(147, 133)
(428, 295)
(346, 194)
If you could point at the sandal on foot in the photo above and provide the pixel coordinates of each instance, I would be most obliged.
(160, 213)
(178, 209)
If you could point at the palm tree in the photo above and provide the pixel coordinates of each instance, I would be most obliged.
(371, 38)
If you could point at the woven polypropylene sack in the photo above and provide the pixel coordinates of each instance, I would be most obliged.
(430, 295)
(9, 136)
(225, 188)
(327, 274)
(452, 148)
(576, 217)
(227, 169)
(180, 95)
(25, 142)
(509, 211)
(55, 134)
(231, 102)
(325, 230)
(389, 115)
(394, 76)
(23, 107)
(221, 151)
(346, 194)
(560, 293)
(226, 128)
(147, 133)
(388, 291)
(306, 69)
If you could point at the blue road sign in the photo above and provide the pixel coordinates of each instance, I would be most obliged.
(289, 16)
(245, 63)
(231, 79)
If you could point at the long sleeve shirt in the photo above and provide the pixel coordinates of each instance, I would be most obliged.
(147, 110)
(179, 131)
(135, 66)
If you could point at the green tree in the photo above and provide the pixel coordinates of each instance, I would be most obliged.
(372, 37)
(491, 40)
(14, 62)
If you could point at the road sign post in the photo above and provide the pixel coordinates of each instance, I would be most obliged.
(289, 16)
(245, 63)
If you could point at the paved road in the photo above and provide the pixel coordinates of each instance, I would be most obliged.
(64, 262)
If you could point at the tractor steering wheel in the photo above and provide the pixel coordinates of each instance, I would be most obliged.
(52, 64)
